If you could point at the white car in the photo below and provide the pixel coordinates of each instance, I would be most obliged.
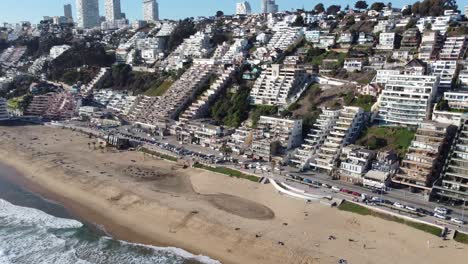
(441, 216)
(441, 210)
(325, 185)
(410, 208)
(398, 205)
(457, 221)
(336, 189)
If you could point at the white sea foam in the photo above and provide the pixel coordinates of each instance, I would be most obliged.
(29, 216)
(177, 251)
(31, 236)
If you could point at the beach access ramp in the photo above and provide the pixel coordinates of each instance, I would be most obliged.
(294, 192)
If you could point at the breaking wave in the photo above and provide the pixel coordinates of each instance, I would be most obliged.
(29, 235)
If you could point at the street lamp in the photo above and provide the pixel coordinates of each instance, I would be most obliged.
(463, 209)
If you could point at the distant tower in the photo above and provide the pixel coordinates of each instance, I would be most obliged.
(87, 13)
(243, 8)
(113, 11)
(150, 10)
(264, 6)
(67, 11)
(269, 6)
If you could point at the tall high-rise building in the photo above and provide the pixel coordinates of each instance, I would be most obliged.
(150, 10)
(243, 8)
(113, 11)
(269, 6)
(87, 13)
(67, 11)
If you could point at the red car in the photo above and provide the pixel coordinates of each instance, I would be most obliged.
(356, 194)
(344, 190)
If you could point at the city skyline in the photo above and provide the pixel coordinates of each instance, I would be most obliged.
(168, 9)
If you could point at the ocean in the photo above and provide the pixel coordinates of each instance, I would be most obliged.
(34, 230)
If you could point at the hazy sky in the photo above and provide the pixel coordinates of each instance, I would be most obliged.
(34, 10)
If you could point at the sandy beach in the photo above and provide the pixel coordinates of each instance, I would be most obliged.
(147, 200)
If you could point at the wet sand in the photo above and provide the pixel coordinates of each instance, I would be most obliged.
(146, 200)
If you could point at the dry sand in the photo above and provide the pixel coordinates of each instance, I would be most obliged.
(142, 199)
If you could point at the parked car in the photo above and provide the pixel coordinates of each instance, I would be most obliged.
(308, 181)
(356, 194)
(326, 185)
(440, 216)
(457, 221)
(398, 205)
(344, 190)
(411, 208)
(336, 189)
(441, 210)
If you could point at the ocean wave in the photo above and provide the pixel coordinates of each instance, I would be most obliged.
(29, 235)
(18, 215)
(177, 251)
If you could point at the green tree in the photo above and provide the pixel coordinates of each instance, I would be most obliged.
(275, 148)
(319, 8)
(377, 6)
(361, 5)
(299, 22)
(333, 9)
(219, 13)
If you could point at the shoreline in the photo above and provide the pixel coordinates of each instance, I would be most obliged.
(89, 216)
(145, 200)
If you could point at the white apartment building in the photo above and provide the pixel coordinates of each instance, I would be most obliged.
(285, 37)
(56, 51)
(243, 8)
(150, 10)
(424, 160)
(316, 137)
(157, 110)
(445, 70)
(441, 24)
(195, 47)
(200, 107)
(407, 99)
(240, 140)
(356, 161)
(458, 99)
(386, 41)
(287, 131)
(113, 10)
(3, 109)
(312, 36)
(87, 13)
(382, 75)
(364, 38)
(346, 130)
(423, 22)
(430, 45)
(353, 64)
(114, 100)
(454, 48)
(166, 30)
(466, 11)
(277, 84)
(114, 24)
(384, 26)
(383, 167)
(453, 183)
(326, 41)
